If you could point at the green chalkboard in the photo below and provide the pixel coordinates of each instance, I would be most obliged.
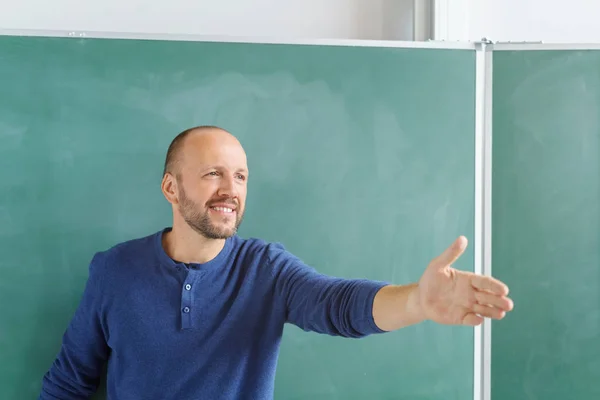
(546, 223)
(362, 164)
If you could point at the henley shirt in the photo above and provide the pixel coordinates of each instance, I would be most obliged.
(169, 330)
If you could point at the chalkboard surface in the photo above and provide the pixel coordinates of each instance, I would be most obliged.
(362, 164)
(546, 223)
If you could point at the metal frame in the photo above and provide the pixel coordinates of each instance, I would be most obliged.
(508, 46)
(239, 39)
(483, 187)
(487, 222)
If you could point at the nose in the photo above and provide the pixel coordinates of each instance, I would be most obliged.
(227, 188)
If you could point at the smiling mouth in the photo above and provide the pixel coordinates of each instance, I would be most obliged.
(223, 210)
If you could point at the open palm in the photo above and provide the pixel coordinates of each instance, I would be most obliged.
(450, 296)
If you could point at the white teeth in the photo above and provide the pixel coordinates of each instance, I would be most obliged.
(224, 209)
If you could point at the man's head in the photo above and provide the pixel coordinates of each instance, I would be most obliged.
(205, 178)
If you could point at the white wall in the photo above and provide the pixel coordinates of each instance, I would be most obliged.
(527, 20)
(464, 20)
(349, 19)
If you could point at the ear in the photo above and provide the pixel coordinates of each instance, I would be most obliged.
(169, 188)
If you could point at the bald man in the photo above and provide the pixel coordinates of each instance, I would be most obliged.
(196, 312)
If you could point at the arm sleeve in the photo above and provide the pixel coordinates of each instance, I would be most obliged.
(324, 304)
(75, 373)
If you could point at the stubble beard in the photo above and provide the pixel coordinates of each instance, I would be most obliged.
(199, 219)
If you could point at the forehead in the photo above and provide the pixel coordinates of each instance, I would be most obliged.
(210, 150)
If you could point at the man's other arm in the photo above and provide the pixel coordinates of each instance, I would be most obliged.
(75, 373)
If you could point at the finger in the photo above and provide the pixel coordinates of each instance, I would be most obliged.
(488, 312)
(472, 319)
(451, 254)
(489, 299)
(490, 284)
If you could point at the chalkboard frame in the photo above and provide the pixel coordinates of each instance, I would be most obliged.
(239, 39)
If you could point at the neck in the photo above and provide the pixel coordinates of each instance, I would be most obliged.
(185, 245)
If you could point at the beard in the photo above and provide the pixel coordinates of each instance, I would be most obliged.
(199, 219)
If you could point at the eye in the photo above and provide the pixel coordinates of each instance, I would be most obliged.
(241, 177)
(212, 173)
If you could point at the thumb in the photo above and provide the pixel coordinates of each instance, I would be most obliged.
(451, 254)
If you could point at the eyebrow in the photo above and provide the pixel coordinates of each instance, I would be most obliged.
(207, 167)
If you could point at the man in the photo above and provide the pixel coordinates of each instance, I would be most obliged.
(196, 312)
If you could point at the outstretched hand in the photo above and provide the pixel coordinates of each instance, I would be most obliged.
(450, 296)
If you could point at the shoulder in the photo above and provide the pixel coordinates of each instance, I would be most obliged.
(107, 260)
(260, 249)
(271, 257)
(130, 249)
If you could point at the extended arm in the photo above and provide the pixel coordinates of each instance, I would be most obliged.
(76, 371)
(355, 307)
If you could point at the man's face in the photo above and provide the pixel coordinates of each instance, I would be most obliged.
(212, 185)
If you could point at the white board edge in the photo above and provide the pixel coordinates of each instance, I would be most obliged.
(483, 98)
(516, 46)
(240, 39)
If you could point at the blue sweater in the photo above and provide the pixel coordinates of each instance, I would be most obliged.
(199, 331)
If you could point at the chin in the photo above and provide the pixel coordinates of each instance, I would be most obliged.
(224, 232)
(220, 235)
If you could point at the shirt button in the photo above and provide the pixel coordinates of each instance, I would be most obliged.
(186, 310)
(188, 286)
